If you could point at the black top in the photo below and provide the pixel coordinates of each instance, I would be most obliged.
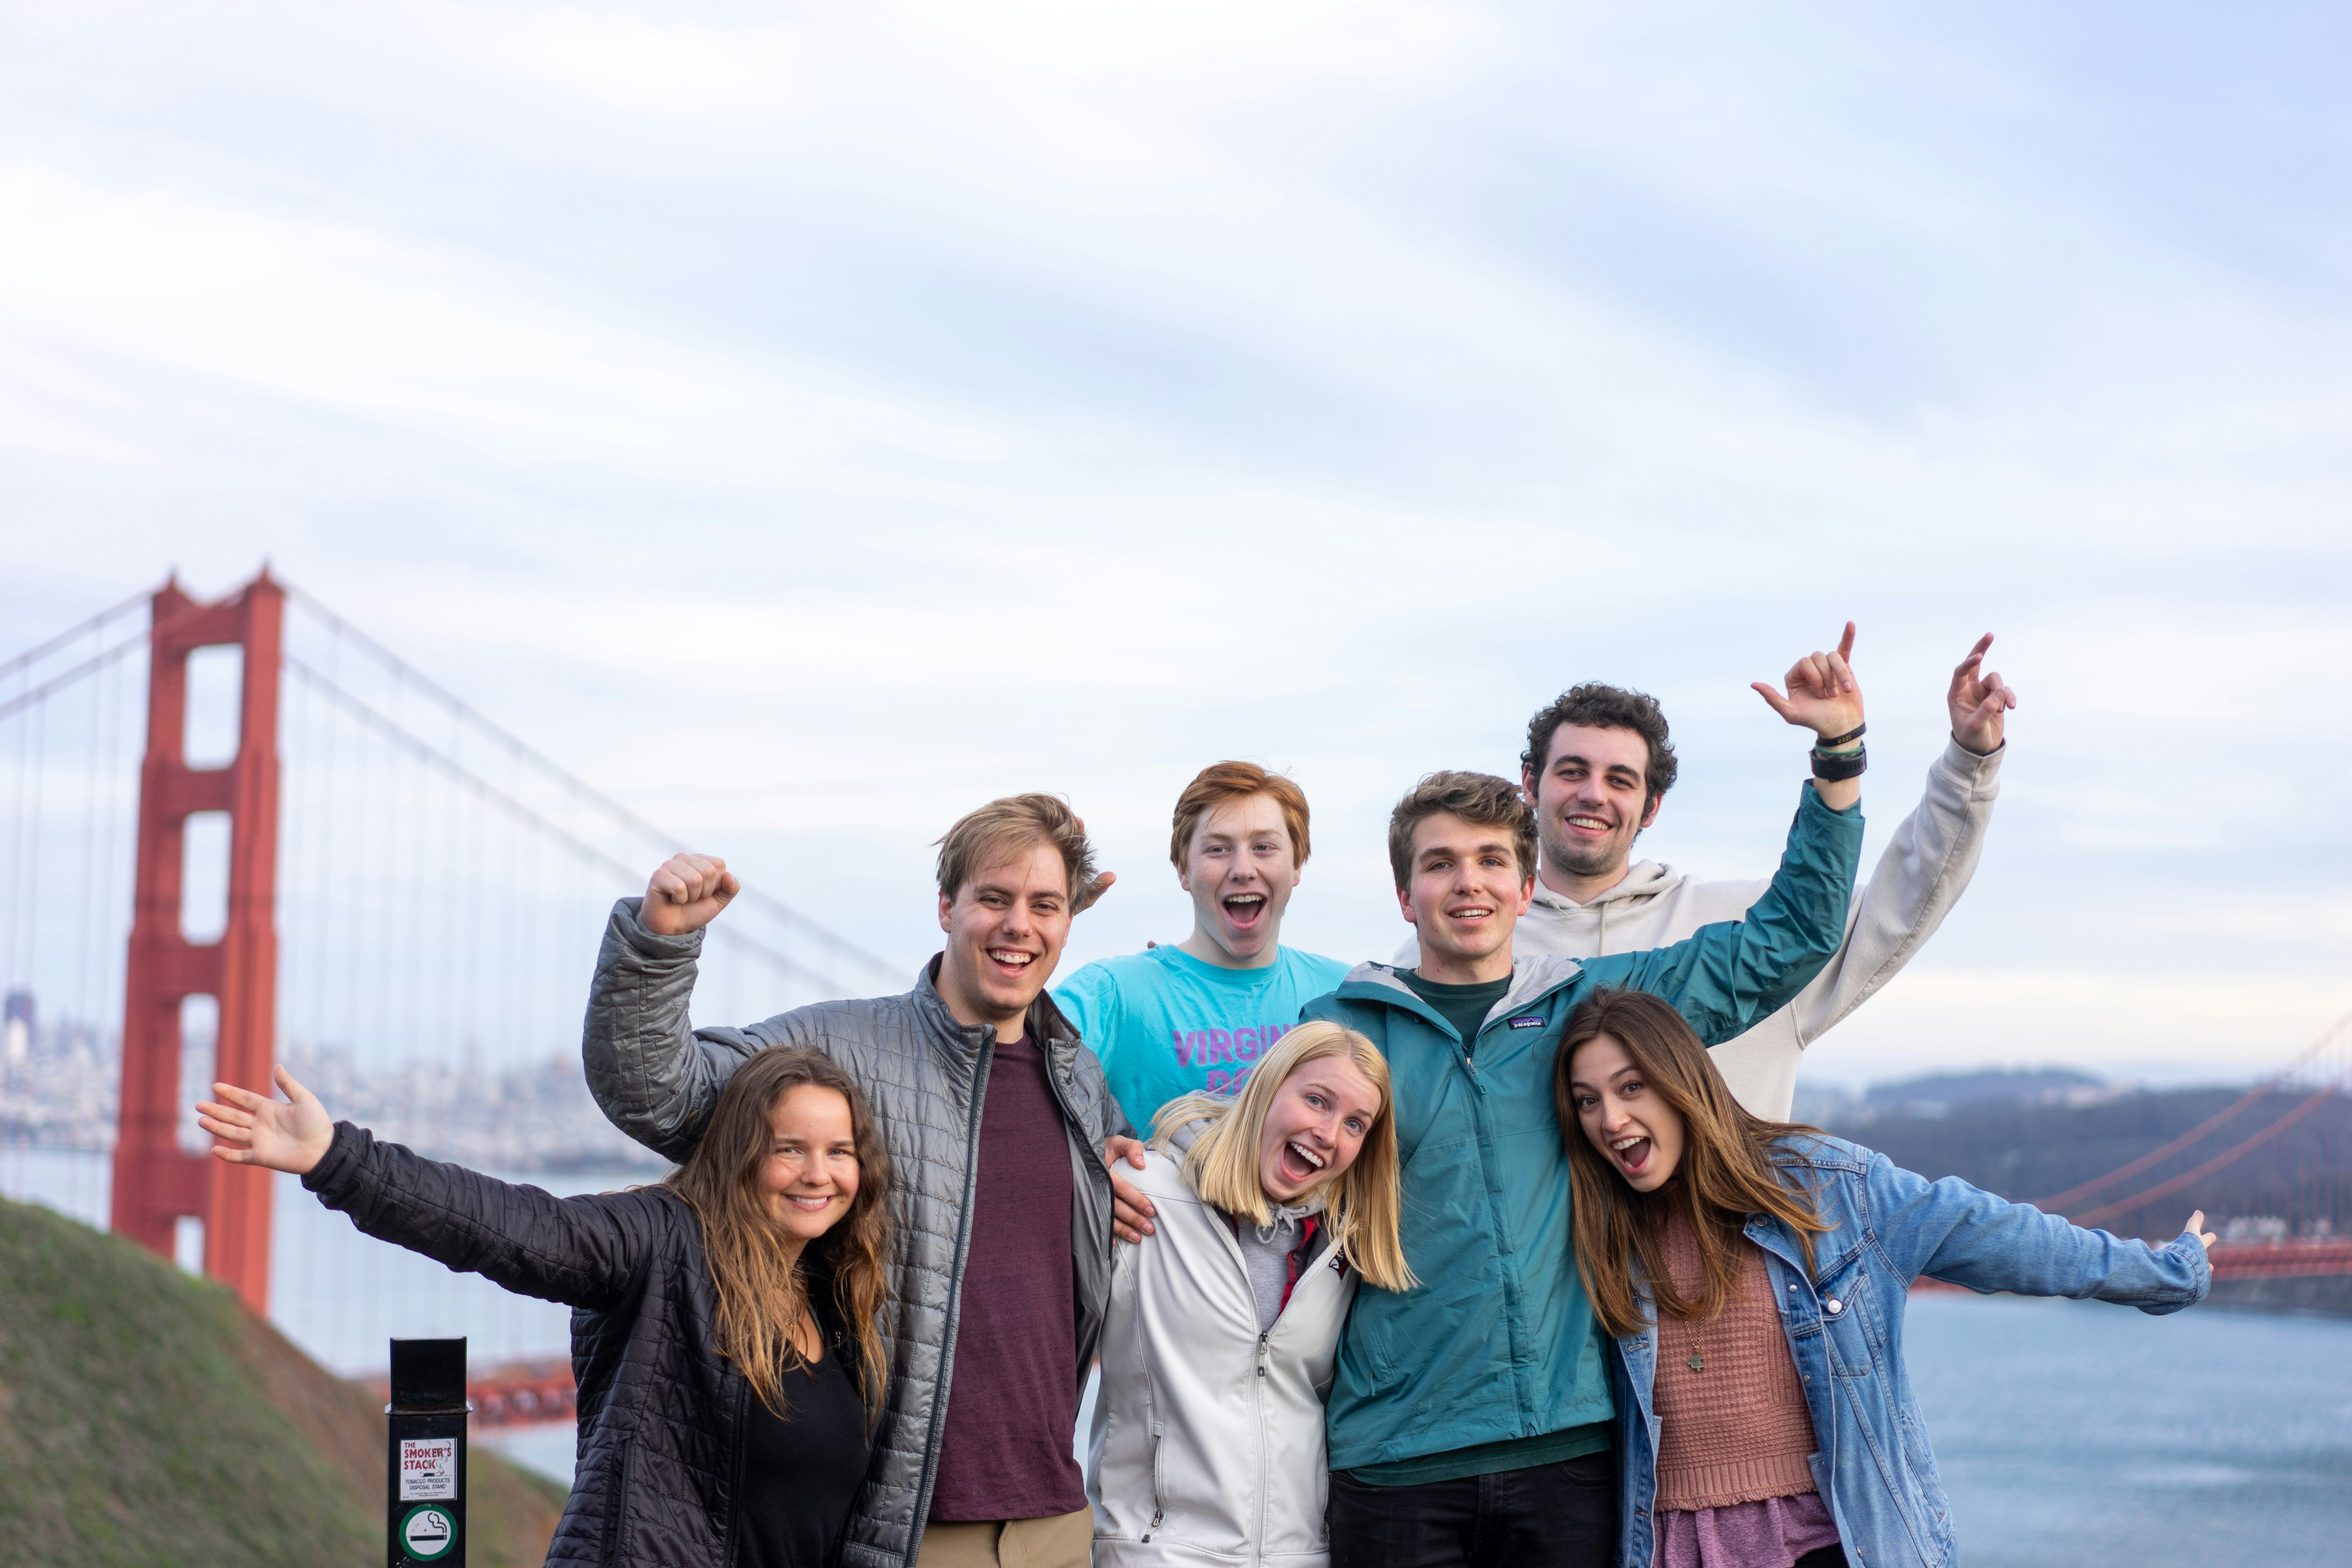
(1463, 1006)
(801, 1469)
(661, 1421)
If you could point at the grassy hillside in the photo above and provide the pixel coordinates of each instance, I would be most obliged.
(147, 1418)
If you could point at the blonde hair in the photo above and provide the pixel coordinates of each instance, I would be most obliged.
(1363, 1208)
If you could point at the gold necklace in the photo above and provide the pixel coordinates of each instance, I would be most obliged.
(1698, 1362)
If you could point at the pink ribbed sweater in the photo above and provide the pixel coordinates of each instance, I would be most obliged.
(1738, 1431)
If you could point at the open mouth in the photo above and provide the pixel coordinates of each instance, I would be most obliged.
(1011, 960)
(1470, 912)
(1244, 910)
(1632, 1153)
(1594, 825)
(1300, 1164)
(810, 1203)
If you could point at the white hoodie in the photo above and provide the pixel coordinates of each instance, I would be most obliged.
(1208, 1435)
(1921, 876)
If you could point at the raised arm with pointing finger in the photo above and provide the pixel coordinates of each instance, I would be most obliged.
(1597, 769)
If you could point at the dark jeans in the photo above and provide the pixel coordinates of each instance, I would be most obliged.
(1832, 1556)
(1561, 1515)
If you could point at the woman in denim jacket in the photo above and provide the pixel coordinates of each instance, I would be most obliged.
(1754, 1276)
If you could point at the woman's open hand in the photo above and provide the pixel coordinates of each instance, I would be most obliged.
(2197, 1228)
(290, 1134)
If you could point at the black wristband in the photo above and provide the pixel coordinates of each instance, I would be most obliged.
(1856, 733)
(1831, 770)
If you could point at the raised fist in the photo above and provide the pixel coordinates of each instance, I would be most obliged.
(685, 893)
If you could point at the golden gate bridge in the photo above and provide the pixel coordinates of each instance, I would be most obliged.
(241, 831)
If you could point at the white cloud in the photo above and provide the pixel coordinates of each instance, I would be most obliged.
(650, 64)
(874, 405)
(342, 322)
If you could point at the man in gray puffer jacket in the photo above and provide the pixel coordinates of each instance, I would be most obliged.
(997, 1120)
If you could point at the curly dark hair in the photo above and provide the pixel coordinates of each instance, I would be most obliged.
(1594, 706)
(1481, 799)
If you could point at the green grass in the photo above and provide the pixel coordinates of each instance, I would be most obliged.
(147, 1418)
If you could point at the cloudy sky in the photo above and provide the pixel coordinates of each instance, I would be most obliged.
(807, 422)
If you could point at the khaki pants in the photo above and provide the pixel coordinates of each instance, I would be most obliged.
(1061, 1541)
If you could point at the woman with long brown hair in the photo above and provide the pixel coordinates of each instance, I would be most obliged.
(725, 1328)
(1753, 1275)
(1223, 1328)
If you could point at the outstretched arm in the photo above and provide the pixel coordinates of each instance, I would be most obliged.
(249, 1128)
(583, 1252)
(1953, 1231)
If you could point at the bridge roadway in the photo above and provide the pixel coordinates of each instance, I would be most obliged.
(517, 1394)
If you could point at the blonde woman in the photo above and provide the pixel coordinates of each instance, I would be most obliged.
(1224, 1327)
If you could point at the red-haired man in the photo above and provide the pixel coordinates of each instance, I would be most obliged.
(1199, 1014)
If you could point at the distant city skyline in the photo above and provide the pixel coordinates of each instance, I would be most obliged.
(479, 1110)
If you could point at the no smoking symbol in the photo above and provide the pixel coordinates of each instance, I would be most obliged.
(427, 1533)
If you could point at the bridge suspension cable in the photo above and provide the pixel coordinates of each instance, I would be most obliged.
(2333, 1034)
(522, 751)
(440, 890)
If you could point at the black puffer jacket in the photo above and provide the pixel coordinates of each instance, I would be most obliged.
(658, 1078)
(661, 1413)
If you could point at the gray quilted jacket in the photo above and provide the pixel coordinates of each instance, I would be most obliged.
(925, 1076)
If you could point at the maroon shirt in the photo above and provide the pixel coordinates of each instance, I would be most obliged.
(1013, 1396)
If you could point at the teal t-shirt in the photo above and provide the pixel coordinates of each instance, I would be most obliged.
(1165, 1024)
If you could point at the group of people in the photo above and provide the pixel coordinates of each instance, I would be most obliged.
(1501, 1252)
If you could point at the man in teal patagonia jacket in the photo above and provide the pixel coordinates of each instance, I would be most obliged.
(1469, 1416)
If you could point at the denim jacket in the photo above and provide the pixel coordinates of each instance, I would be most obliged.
(1844, 1325)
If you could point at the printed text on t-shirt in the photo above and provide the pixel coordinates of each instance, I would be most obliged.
(1238, 1048)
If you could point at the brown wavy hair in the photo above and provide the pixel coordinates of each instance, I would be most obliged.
(761, 1288)
(1730, 1167)
(1480, 799)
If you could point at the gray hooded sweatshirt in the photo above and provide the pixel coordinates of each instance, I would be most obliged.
(1916, 881)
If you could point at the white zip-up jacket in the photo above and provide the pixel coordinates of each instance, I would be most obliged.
(1208, 1437)
(1916, 881)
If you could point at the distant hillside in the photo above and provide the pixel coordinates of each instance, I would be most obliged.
(1934, 1094)
(2024, 1150)
(147, 1420)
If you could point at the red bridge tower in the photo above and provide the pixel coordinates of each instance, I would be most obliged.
(155, 1180)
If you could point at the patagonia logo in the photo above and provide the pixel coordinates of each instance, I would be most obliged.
(1527, 1021)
